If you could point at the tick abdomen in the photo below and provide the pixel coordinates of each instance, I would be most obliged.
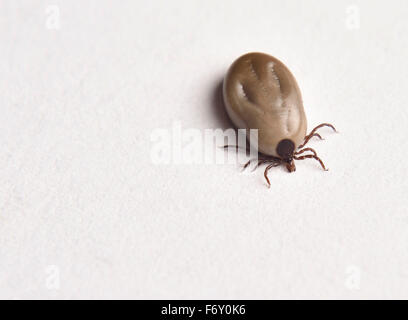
(261, 93)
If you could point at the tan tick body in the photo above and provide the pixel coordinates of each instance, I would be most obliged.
(261, 93)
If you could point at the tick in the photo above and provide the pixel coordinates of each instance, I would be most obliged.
(261, 93)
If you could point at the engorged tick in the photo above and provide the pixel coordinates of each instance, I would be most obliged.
(261, 93)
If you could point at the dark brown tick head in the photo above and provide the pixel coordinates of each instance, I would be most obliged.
(285, 150)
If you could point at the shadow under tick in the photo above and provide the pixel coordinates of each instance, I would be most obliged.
(217, 107)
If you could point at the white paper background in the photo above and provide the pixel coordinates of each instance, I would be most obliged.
(84, 213)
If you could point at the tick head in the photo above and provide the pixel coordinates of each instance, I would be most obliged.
(285, 150)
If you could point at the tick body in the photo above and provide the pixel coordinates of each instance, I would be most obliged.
(261, 93)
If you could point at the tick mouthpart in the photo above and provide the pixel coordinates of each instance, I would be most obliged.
(290, 165)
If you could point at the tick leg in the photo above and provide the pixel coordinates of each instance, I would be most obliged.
(266, 172)
(236, 147)
(308, 137)
(247, 164)
(260, 162)
(317, 135)
(314, 134)
(311, 156)
(262, 159)
(321, 126)
(306, 149)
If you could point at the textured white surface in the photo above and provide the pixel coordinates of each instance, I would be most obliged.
(81, 201)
